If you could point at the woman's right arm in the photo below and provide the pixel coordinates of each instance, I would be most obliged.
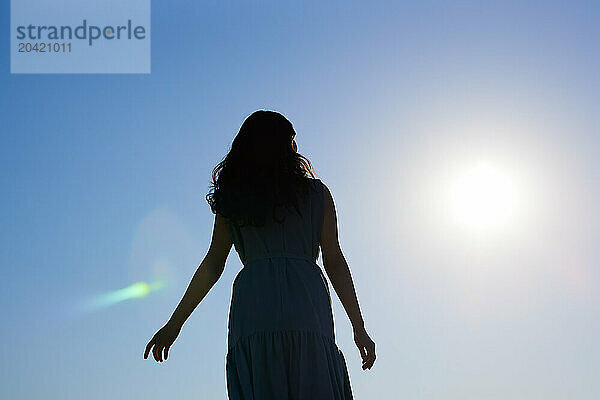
(339, 274)
(207, 274)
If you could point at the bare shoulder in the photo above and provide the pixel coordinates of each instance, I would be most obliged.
(220, 219)
(327, 195)
(329, 232)
(330, 214)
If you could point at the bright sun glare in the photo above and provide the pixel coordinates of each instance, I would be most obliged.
(484, 197)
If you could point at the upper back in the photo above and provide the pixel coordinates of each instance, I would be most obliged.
(298, 234)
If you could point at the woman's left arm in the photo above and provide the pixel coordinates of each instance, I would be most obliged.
(205, 277)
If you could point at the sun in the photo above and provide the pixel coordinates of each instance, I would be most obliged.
(484, 196)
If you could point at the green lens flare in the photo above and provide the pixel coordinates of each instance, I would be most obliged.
(136, 290)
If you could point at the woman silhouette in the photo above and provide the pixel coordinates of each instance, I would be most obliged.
(268, 204)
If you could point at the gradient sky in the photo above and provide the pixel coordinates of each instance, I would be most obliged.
(103, 180)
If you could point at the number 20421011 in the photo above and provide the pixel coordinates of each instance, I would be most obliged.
(25, 47)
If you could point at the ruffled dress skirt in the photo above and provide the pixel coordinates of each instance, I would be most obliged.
(281, 342)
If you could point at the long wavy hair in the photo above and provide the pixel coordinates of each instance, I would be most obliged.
(263, 174)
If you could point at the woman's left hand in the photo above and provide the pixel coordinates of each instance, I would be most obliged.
(162, 341)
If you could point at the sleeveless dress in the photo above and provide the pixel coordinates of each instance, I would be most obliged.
(281, 342)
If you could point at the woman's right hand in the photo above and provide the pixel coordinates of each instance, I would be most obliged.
(162, 340)
(366, 347)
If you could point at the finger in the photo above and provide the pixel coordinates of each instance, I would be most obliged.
(371, 363)
(167, 352)
(369, 359)
(363, 352)
(160, 353)
(370, 347)
(365, 365)
(148, 347)
(371, 350)
(155, 353)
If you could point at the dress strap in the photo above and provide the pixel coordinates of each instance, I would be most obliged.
(279, 255)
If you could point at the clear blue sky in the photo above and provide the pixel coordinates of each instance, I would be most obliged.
(103, 180)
